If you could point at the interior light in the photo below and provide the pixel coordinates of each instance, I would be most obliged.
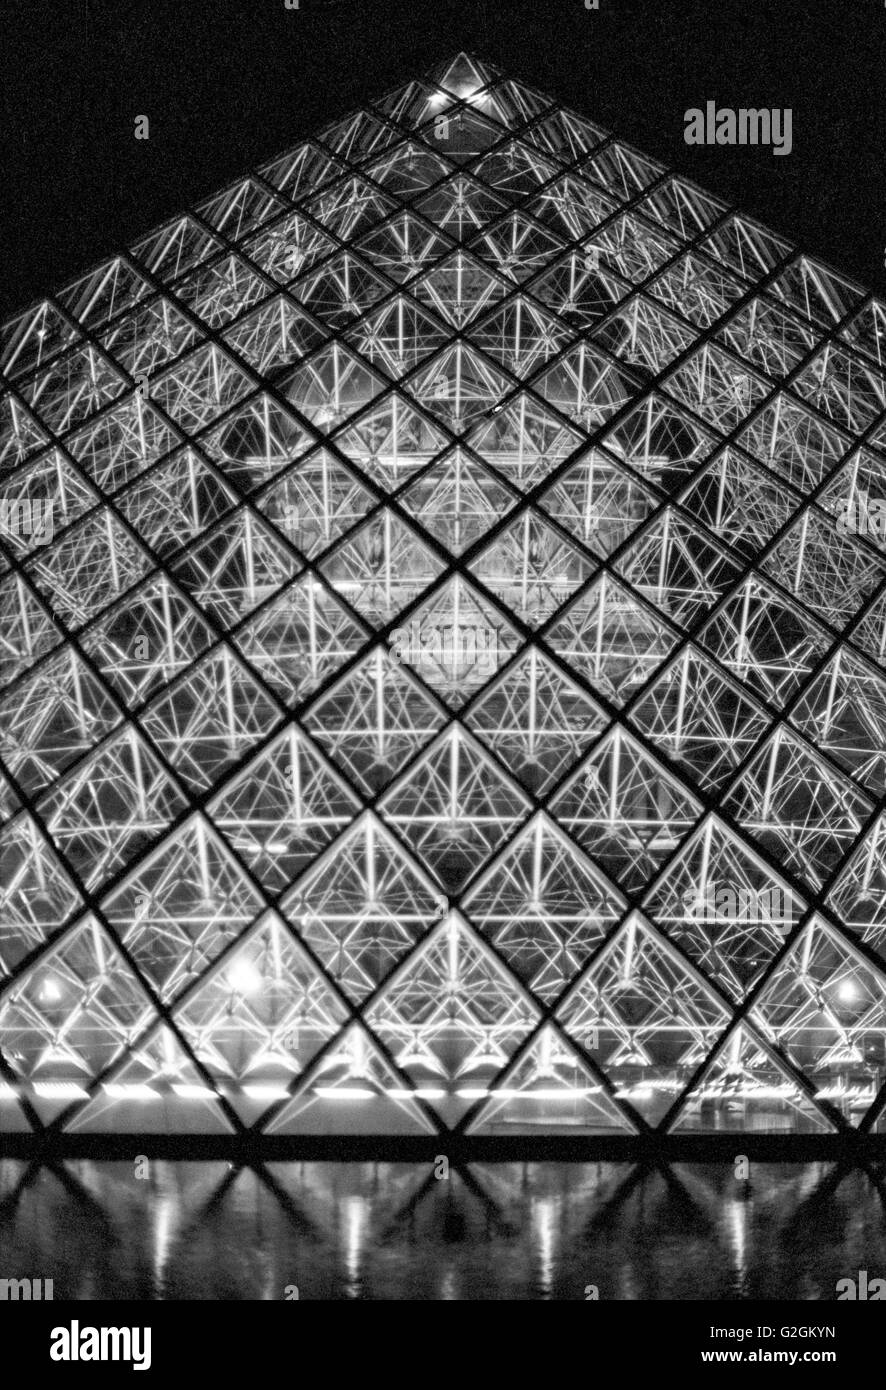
(265, 1090)
(485, 1059)
(558, 1093)
(124, 1090)
(420, 1093)
(244, 977)
(343, 1093)
(636, 1092)
(60, 1090)
(415, 1059)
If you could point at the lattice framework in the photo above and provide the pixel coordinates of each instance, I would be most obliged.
(442, 595)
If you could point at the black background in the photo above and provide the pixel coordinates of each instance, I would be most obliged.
(227, 85)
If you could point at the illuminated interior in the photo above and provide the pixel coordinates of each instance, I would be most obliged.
(443, 591)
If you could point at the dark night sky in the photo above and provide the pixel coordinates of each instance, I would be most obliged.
(227, 85)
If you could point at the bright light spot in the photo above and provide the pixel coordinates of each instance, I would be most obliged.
(189, 1091)
(244, 978)
(343, 1093)
(413, 1059)
(60, 1090)
(559, 1093)
(50, 992)
(484, 1059)
(636, 1092)
(439, 99)
(848, 992)
(265, 1090)
(421, 1093)
(120, 1090)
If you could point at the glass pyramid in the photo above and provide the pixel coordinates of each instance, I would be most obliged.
(440, 689)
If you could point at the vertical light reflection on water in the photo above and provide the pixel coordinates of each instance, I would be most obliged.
(544, 1210)
(250, 1190)
(269, 1286)
(356, 1214)
(164, 1212)
(738, 1211)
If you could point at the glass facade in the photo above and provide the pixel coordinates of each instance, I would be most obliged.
(442, 633)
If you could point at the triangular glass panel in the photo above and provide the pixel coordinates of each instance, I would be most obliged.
(340, 290)
(825, 1008)
(677, 569)
(299, 639)
(460, 207)
(362, 907)
(182, 907)
(516, 247)
(537, 720)
(391, 440)
(457, 500)
(531, 568)
(805, 813)
(598, 501)
(282, 809)
(374, 720)
(381, 568)
(398, 336)
(550, 1090)
(408, 169)
(523, 440)
(403, 247)
(725, 907)
(354, 1090)
(69, 1016)
(451, 1016)
(746, 1087)
(36, 893)
(544, 907)
(158, 1090)
(858, 897)
(613, 640)
(459, 386)
(259, 1016)
(700, 718)
(454, 807)
(645, 1017)
(625, 809)
(456, 640)
(315, 502)
(458, 289)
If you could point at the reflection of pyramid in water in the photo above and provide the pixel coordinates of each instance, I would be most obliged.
(440, 596)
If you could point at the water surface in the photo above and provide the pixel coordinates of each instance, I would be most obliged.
(207, 1230)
